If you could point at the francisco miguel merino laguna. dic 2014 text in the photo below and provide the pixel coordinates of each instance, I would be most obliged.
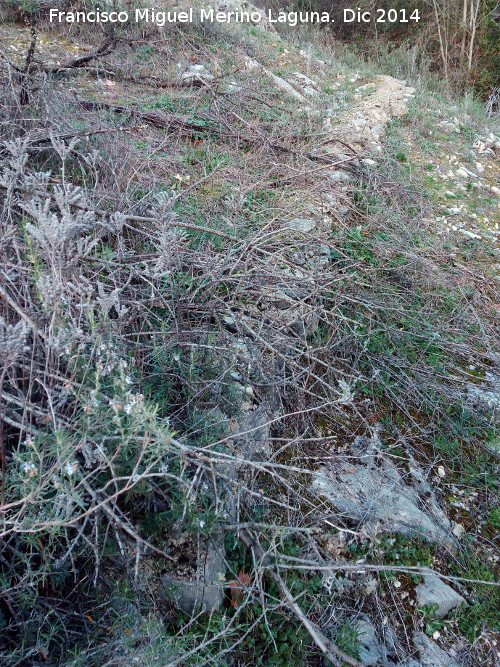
(210, 15)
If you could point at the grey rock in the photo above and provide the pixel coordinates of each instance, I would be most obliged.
(305, 325)
(377, 131)
(309, 87)
(280, 298)
(230, 322)
(434, 591)
(282, 304)
(196, 74)
(372, 650)
(193, 595)
(330, 199)
(342, 156)
(338, 176)
(233, 88)
(310, 92)
(373, 492)
(203, 591)
(321, 255)
(302, 224)
(487, 394)
(252, 436)
(378, 645)
(430, 654)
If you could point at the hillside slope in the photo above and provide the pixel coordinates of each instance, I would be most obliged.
(250, 365)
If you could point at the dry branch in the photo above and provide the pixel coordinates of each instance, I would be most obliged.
(130, 218)
(123, 523)
(107, 47)
(40, 138)
(332, 652)
(172, 122)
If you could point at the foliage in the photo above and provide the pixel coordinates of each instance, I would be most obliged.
(484, 609)
(347, 639)
(432, 624)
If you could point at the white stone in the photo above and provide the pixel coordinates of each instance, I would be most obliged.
(458, 530)
(305, 79)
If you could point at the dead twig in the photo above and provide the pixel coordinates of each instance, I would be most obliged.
(169, 121)
(123, 523)
(107, 47)
(25, 72)
(332, 652)
(39, 139)
(130, 218)
(22, 314)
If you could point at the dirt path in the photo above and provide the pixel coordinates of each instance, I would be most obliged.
(363, 126)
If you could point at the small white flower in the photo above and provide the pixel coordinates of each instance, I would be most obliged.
(71, 467)
(115, 405)
(29, 469)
